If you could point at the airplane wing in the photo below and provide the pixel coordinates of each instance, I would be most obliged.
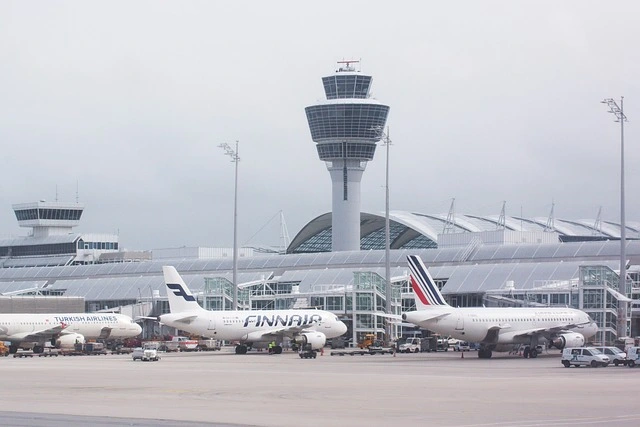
(38, 335)
(186, 319)
(389, 316)
(272, 334)
(548, 331)
(419, 316)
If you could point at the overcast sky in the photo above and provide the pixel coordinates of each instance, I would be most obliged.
(490, 102)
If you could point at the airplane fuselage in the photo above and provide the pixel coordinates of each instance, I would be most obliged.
(92, 326)
(249, 325)
(501, 326)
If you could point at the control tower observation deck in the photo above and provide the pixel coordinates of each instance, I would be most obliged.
(48, 218)
(346, 128)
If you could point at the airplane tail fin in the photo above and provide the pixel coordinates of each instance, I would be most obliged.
(179, 295)
(426, 293)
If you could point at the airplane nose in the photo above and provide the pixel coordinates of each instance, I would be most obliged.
(138, 329)
(342, 328)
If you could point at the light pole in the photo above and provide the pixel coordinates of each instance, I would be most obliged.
(235, 159)
(387, 241)
(618, 111)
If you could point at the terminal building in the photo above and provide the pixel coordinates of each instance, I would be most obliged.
(473, 268)
(475, 259)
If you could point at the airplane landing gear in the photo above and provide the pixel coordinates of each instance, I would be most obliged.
(529, 352)
(484, 353)
(241, 349)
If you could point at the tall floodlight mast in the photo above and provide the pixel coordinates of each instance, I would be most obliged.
(345, 129)
(618, 111)
(235, 159)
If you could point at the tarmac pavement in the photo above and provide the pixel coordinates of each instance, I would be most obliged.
(258, 389)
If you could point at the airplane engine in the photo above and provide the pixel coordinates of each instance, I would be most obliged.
(68, 341)
(316, 339)
(570, 339)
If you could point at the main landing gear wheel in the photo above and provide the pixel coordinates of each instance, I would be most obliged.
(484, 354)
(277, 350)
(241, 349)
(533, 353)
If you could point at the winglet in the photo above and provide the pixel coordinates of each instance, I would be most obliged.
(426, 293)
(179, 295)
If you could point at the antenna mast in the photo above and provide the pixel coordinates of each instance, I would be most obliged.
(502, 221)
(449, 225)
(551, 220)
(284, 234)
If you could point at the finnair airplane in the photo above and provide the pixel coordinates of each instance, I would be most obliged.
(250, 327)
(63, 330)
(496, 329)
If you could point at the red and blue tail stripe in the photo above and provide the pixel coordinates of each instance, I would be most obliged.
(423, 285)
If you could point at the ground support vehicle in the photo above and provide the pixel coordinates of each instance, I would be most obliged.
(208, 345)
(23, 354)
(367, 341)
(616, 356)
(362, 352)
(633, 357)
(583, 356)
(4, 350)
(461, 346)
(411, 345)
(49, 352)
(442, 344)
(307, 352)
(122, 350)
(145, 354)
(93, 348)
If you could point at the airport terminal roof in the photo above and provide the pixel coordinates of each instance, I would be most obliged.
(488, 267)
(410, 230)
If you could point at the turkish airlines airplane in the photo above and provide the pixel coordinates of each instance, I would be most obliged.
(496, 329)
(253, 328)
(63, 330)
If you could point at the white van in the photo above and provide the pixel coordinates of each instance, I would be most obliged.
(587, 356)
(617, 356)
(633, 354)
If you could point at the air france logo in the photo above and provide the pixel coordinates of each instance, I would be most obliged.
(179, 292)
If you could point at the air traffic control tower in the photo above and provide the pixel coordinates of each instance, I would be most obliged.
(346, 128)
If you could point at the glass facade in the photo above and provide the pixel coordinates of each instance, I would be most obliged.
(97, 245)
(34, 250)
(320, 242)
(376, 239)
(338, 121)
(42, 213)
(346, 150)
(347, 86)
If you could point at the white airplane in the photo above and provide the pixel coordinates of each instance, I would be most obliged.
(253, 328)
(496, 329)
(63, 330)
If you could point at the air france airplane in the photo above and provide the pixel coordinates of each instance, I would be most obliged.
(63, 330)
(496, 329)
(250, 327)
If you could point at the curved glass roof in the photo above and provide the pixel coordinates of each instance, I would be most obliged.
(417, 230)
